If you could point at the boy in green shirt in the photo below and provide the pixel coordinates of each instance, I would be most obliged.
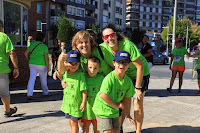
(115, 93)
(93, 80)
(75, 91)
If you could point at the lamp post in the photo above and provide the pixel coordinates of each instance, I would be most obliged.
(174, 24)
(167, 38)
(187, 34)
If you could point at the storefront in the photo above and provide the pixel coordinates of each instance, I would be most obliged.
(14, 14)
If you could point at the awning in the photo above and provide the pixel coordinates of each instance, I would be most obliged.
(26, 3)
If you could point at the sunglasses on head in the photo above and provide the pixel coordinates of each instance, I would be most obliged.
(123, 62)
(107, 36)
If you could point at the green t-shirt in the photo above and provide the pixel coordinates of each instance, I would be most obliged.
(5, 47)
(93, 85)
(198, 63)
(130, 47)
(28, 44)
(72, 95)
(117, 90)
(105, 68)
(179, 56)
(37, 57)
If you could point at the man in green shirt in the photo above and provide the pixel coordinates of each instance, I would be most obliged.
(7, 50)
(29, 41)
(115, 93)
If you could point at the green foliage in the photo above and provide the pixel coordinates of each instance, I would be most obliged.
(181, 31)
(65, 30)
(137, 35)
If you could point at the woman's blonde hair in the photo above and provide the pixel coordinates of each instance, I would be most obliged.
(80, 35)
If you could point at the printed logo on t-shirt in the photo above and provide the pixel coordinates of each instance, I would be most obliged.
(124, 54)
(177, 58)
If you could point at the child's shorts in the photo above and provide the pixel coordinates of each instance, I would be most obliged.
(72, 117)
(87, 121)
(198, 71)
(178, 68)
(107, 123)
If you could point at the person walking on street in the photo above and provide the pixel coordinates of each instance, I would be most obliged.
(7, 49)
(177, 59)
(38, 63)
(198, 71)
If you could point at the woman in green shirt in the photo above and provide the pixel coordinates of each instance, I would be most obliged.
(177, 58)
(114, 42)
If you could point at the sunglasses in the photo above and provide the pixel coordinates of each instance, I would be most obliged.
(107, 36)
(123, 63)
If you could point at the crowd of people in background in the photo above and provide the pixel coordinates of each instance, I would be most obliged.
(99, 81)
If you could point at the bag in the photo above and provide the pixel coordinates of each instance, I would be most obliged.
(33, 50)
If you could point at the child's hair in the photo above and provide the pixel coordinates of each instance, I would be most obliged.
(80, 35)
(94, 59)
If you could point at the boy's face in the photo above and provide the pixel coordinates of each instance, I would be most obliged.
(122, 65)
(73, 66)
(93, 68)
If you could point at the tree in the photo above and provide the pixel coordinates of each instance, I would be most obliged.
(65, 30)
(137, 35)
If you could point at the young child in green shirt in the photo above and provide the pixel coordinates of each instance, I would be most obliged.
(115, 92)
(93, 81)
(75, 91)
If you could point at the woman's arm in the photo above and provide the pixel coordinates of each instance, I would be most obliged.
(149, 53)
(46, 55)
(26, 54)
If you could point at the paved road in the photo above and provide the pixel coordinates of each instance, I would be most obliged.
(164, 113)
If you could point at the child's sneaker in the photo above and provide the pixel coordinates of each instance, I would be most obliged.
(197, 93)
(12, 111)
(169, 90)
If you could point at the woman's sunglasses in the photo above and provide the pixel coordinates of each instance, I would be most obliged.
(107, 36)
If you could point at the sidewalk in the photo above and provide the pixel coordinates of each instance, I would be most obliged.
(164, 112)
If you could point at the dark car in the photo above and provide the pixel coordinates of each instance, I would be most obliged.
(159, 58)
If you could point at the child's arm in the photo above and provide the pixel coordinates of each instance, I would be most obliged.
(64, 85)
(127, 101)
(109, 101)
(57, 74)
(83, 104)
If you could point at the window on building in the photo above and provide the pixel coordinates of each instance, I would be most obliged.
(141, 24)
(159, 25)
(80, 25)
(154, 10)
(109, 15)
(141, 8)
(159, 10)
(150, 17)
(141, 16)
(147, 9)
(80, 1)
(147, 24)
(96, 4)
(117, 9)
(71, 10)
(117, 21)
(144, 24)
(80, 12)
(38, 25)
(153, 25)
(39, 8)
(105, 19)
(156, 17)
(53, 6)
(105, 6)
(72, 0)
(156, 24)
(147, 17)
(144, 16)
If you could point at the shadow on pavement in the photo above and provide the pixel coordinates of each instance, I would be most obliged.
(172, 129)
(48, 114)
(165, 93)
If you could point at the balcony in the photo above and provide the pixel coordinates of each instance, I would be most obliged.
(132, 1)
(132, 10)
(89, 7)
(166, 6)
(132, 18)
(90, 19)
(56, 12)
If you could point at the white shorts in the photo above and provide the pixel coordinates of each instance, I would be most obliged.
(4, 85)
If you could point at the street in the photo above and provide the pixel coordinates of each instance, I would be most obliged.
(164, 112)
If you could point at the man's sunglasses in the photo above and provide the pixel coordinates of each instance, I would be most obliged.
(107, 36)
(123, 63)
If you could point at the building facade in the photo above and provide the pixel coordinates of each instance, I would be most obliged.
(198, 12)
(111, 11)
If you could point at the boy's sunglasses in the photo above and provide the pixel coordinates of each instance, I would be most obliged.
(107, 36)
(123, 63)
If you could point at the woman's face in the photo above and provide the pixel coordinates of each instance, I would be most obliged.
(84, 46)
(145, 40)
(178, 44)
(110, 37)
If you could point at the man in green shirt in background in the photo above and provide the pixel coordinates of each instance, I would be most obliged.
(6, 50)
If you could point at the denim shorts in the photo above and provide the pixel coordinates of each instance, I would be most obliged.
(72, 117)
(4, 85)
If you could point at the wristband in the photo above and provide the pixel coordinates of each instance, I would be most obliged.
(141, 89)
(60, 73)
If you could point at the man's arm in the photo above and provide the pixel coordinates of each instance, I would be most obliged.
(14, 60)
(26, 54)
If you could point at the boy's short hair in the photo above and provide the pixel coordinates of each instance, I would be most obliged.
(94, 59)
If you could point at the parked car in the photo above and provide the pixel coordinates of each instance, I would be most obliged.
(169, 53)
(160, 58)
